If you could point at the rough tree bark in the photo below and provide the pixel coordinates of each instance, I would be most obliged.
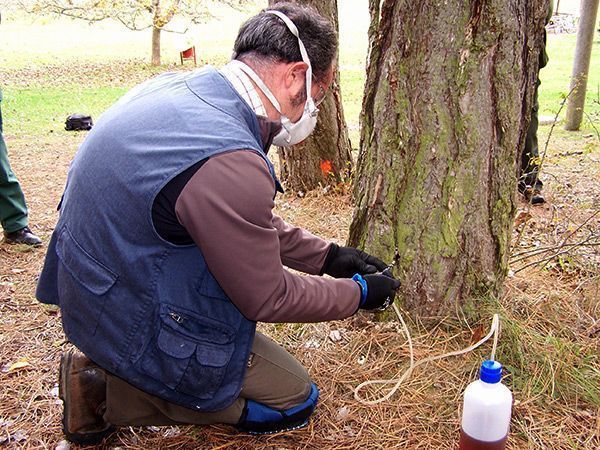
(443, 122)
(324, 158)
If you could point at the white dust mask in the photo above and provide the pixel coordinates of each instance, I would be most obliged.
(291, 132)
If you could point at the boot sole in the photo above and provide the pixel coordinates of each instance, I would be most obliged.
(90, 438)
(37, 244)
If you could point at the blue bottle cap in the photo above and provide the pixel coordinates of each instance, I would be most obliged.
(491, 372)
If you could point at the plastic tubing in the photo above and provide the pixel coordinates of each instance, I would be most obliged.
(494, 330)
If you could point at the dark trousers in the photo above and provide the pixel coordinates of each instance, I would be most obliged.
(530, 158)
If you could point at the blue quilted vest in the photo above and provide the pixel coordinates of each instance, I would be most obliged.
(149, 311)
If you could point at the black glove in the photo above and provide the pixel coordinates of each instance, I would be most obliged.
(381, 290)
(344, 262)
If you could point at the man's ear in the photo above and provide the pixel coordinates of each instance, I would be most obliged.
(295, 76)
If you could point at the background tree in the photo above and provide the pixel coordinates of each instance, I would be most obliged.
(445, 112)
(134, 14)
(324, 158)
(581, 64)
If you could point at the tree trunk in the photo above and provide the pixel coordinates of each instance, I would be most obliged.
(156, 28)
(155, 46)
(581, 65)
(324, 158)
(446, 108)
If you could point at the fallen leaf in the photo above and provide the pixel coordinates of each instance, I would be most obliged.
(522, 216)
(20, 364)
(342, 414)
(478, 333)
(335, 336)
(312, 343)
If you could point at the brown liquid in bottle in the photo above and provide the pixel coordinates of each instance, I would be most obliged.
(468, 443)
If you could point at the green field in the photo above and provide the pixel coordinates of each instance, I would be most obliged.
(54, 67)
(555, 77)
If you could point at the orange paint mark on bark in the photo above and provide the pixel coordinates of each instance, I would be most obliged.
(326, 168)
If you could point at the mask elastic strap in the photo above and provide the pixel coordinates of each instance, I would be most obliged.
(303, 53)
(260, 83)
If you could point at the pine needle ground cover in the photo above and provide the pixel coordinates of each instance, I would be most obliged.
(550, 307)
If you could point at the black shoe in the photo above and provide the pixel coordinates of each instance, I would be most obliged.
(82, 388)
(532, 195)
(537, 199)
(22, 236)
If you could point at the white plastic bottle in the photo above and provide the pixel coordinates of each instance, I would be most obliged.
(486, 411)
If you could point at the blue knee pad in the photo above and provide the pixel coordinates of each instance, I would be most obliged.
(261, 419)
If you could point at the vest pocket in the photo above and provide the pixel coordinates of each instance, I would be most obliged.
(84, 286)
(189, 353)
(87, 270)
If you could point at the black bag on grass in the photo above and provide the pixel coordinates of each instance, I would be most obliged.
(76, 122)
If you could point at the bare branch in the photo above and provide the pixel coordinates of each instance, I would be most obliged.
(135, 15)
(547, 249)
(562, 104)
(584, 243)
(535, 251)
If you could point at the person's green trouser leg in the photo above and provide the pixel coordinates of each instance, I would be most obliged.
(274, 378)
(530, 163)
(13, 209)
(530, 158)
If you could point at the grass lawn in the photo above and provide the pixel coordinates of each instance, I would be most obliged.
(556, 76)
(550, 307)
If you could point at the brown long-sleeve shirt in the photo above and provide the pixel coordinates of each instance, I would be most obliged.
(226, 207)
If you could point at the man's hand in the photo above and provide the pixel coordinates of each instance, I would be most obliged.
(344, 262)
(381, 290)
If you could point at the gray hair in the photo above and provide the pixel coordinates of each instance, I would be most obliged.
(266, 37)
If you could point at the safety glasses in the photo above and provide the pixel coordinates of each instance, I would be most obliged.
(321, 95)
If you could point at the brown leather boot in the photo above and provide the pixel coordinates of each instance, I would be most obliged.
(82, 388)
